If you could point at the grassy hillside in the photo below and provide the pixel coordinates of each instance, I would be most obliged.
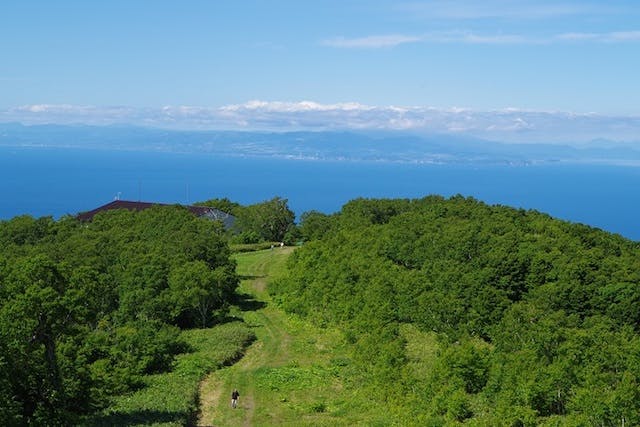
(395, 312)
(295, 374)
(171, 399)
(459, 312)
(92, 311)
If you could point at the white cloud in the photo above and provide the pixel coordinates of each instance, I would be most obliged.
(51, 108)
(470, 37)
(371, 42)
(515, 124)
(610, 37)
(302, 106)
(66, 113)
(389, 41)
(509, 125)
(625, 36)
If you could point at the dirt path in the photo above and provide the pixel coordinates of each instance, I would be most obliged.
(271, 349)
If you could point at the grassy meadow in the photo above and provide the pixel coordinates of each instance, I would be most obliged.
(293, 374)
(171, 399)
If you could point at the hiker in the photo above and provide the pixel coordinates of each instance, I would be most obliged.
(234, 398)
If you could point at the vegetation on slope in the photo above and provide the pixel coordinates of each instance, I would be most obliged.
(523, 319)
(171, 399)
(437, 312)
(267, 221)
(295, 374)
(87, 310)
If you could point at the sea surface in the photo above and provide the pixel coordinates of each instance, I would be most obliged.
(55, 182)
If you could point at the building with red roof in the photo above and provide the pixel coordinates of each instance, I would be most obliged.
(199, 211)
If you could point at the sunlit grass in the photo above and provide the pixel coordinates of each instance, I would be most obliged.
(171, 399)
(296, 374)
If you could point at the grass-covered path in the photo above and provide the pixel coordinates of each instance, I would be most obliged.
(270, 349)
(294, 374)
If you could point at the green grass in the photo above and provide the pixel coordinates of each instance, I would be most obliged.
(421, 349)
(263, 263)
(295, 374)
(252, 247)
(171, 399)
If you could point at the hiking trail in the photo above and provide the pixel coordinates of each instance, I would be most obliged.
(271, 349)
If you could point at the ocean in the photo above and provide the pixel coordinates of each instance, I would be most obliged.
(55, 182)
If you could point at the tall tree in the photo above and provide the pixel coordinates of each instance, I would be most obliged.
(269, 219)
(197, 290)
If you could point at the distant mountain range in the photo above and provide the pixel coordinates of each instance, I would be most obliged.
(379, 146)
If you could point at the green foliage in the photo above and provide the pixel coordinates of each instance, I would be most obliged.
(458, 407)
(289, 378)
(88, 309)
(248, 237)
(171, 398)
(293, 235)
(223, 204)
(314, 225)
(252, 247)
(319, 407)
(536, 319)
(24, 230)
(196, 290)
(269, 220)
(468, 363)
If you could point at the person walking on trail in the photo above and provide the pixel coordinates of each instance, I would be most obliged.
(234, 398)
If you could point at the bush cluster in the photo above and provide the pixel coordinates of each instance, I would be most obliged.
(537, 319)
(87, 309)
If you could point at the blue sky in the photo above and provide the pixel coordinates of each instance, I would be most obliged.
(543, 56)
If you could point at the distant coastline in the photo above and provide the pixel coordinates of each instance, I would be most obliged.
(392, 147)
(48, 181)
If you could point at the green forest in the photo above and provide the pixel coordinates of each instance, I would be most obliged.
(86, 309)
(460, 312)
(452, 311)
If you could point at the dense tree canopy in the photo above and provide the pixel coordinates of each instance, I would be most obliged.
(87, 308)
(534, 320)
(460, 311)
(224, 204)
(266, 221)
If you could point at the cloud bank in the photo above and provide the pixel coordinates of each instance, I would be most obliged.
(508, 125)
(471, 37)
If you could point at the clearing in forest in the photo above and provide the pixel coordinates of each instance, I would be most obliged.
(292, 375)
